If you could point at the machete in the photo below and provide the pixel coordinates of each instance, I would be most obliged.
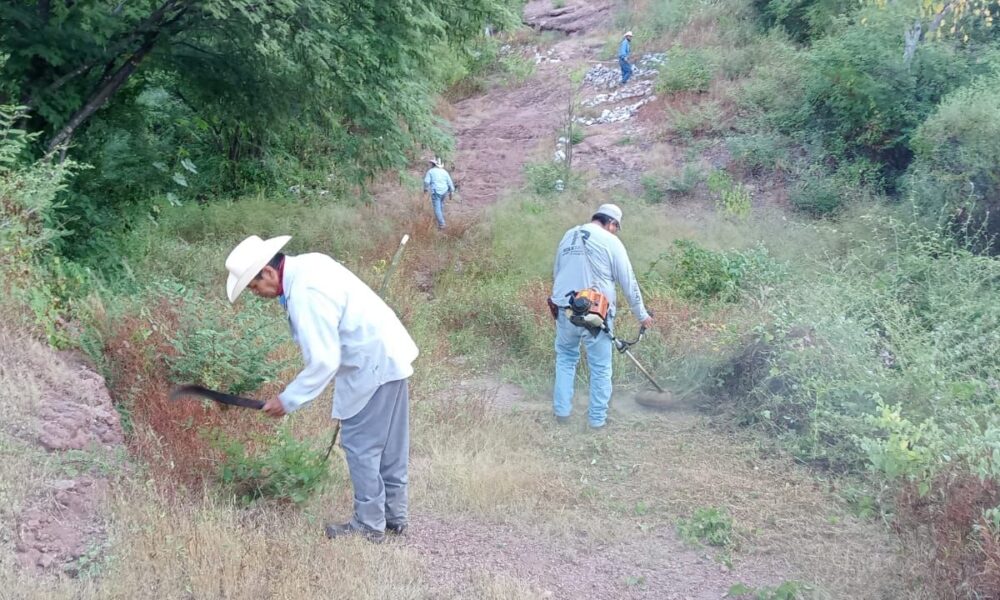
(197, 390)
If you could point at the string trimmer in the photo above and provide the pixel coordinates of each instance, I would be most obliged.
(589, 309)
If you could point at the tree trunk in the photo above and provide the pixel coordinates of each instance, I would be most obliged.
(151, 29)
(104, 91)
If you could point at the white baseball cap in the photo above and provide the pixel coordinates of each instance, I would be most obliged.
(610, 210)
(247, 259)
(628, 33)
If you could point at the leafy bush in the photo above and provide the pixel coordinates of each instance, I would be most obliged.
(803, 20)
(32, 273)
(756, 152)
(905, 318)
(285, 469)
(955, 176)
(695, 273)
(697, 118)
(219, 349)
(688, 70)
(733, 198)
(708, 525)
(862, 101)
(546, 178)
(816, 192)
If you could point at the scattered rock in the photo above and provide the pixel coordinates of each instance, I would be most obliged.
(616, 115)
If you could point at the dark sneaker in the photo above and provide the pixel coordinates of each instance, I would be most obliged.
(562, 420)
(396, 528)
(334, 531)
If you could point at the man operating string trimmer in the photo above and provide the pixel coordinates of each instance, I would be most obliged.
(589, 262)
(345, 331)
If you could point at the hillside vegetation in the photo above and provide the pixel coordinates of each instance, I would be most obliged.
(821, 258)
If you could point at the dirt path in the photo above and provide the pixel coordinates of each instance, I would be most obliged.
(500, 131)
(669, 464)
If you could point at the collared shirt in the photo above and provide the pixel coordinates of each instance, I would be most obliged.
(438, 180)
(591, 256)
(625, 48)
(345, 331)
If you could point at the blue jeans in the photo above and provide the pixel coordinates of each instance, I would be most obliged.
(437, 200)
(568, 339)
(626, 70)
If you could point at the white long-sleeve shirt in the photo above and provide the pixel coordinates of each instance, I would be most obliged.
(345, 331)
(591, 256)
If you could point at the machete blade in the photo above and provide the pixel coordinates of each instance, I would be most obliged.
(221, 398)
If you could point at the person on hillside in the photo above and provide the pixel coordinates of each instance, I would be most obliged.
(590, 256)
(438, 183)
(624, 51)
(347, 334)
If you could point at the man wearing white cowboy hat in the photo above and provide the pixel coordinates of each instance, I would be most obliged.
(624, 50)
(590, 256)
(347, 334)
(438, 183)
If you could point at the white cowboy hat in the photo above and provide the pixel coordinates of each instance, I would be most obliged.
(610, 210)
(435, 161)
(628, 34)
(247, 259)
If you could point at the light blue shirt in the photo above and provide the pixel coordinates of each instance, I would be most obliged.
(438, 180)
(625, 48)
(591, 256)
(346, 333)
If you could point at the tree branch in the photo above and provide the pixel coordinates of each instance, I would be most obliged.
(115, 78)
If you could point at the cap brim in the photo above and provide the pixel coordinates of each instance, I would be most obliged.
(235, 285)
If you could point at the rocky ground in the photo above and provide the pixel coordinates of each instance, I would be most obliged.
(60, 526)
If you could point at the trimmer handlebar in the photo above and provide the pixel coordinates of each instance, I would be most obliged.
(623, 345)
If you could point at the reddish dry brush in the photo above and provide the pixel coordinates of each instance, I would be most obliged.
(168, 436)
(963, 550)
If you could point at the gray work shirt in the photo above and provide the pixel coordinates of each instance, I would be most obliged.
(591, 256)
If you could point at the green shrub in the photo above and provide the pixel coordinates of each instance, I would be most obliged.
(219, 348)
(696, 119)
(658, 187)
(757, 152)
(544, 178)
(861, 101)
(708, 525)
(803, 20)
(955, 176)
(905, 318)
(516, 68)
(688, 70)
(283, 469)
(733, 199)
(695, 273)
(817, 193)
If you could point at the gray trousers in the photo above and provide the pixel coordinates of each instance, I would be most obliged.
(377, 444)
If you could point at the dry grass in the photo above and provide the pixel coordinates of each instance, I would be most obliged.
(470, 459)
(26, 368)
(165, 548)
(781, 513)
